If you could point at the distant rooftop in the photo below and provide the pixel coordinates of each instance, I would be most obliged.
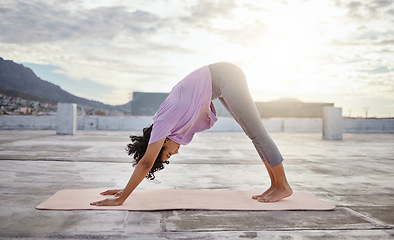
(147, 103)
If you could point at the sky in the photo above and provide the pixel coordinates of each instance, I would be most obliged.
(334, 51)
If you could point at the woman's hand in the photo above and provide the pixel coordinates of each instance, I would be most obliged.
(108, 202)
(114, 192)
(140, 172)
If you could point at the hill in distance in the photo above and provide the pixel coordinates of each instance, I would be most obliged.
(21, 79)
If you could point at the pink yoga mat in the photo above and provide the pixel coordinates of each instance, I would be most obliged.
(173, 199)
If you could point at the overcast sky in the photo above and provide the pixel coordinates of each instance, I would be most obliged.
(335, 51)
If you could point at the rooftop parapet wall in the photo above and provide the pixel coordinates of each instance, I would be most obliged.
(224, 124)
(359, 125)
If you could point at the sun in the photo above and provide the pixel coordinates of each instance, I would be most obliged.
(289, 60)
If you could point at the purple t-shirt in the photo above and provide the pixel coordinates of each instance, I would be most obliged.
(186, 110)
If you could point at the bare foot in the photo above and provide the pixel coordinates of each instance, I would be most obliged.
(278, 193)
(258, 197)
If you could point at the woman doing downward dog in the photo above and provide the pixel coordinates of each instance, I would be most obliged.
(188, 109)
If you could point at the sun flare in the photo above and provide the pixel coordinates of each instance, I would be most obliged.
(288, 57)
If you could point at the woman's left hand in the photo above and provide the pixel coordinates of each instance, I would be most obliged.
(107, 202)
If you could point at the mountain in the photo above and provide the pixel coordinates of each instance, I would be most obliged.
(20, 78)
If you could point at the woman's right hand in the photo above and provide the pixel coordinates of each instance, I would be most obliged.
(114, 192)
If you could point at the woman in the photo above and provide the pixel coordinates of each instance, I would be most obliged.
(187, 110)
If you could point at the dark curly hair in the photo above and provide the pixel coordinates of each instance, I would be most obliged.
(137, 148)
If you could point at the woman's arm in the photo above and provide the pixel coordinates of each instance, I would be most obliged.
(140, 172)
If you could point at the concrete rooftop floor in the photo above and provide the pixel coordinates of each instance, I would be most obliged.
(356, 174)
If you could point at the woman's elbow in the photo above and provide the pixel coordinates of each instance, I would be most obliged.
(145, 164)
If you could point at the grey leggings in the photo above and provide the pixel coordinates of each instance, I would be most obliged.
(230, 86)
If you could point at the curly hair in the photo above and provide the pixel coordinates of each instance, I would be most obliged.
(137, 148)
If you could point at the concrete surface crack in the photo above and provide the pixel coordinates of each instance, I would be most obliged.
(369, 218)
(163, 223)
(125, 221)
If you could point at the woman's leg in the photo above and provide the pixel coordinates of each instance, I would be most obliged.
(282, 188)
(235, 96)
(273, 183)
(279, 188)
